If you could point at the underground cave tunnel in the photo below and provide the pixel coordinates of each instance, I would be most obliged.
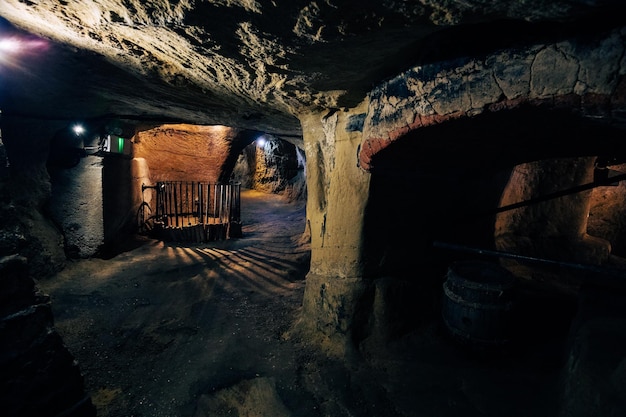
(96, 191)
(173, 182)
(451, 197)
(432, 204)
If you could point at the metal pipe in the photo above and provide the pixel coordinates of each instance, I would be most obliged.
(561, 193)
(604, 271)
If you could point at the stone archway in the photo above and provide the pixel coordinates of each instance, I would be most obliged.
(580, 76)
(450, 185)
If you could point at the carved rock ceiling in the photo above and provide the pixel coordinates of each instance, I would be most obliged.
(246, 63)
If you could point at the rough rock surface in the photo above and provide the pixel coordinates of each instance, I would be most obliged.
(39, 375)
(346, 81)
(255, 64)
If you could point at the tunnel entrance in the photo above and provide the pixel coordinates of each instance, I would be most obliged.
(528, 182)
(447, 183)
(478, 185)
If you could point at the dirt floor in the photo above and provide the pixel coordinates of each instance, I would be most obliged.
(204, 330)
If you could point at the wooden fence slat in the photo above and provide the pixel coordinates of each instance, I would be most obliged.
(196, 211)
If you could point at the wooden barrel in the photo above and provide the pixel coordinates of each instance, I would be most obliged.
(478, 303)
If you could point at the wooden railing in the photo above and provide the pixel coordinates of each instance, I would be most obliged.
(193, 211)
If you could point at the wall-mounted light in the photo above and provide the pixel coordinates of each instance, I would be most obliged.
(13, 47)
(9, 45)
(260, 142)
(78, 129)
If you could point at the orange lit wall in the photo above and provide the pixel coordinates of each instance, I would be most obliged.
(184, 152)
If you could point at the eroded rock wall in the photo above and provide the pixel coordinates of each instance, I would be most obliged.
(39, 376)
(273, 166)
(555, 228)
(607, 213)
(185, 152)
(26, 226)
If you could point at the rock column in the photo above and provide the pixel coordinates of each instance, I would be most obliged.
(337, 194)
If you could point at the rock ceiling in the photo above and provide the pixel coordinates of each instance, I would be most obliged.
(245, 63)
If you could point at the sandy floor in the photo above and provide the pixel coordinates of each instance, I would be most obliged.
(167, 330)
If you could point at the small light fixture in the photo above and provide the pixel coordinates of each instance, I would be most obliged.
(78, 129)
(260, 141)
(9, 45)
(15, 46)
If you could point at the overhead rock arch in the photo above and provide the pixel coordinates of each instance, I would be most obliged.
(584, 76)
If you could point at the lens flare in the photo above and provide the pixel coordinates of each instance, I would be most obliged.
(78, 129)
(10, 45)
(17, 52)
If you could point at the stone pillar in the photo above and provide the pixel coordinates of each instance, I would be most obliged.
(76, 206)
(337, 194)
